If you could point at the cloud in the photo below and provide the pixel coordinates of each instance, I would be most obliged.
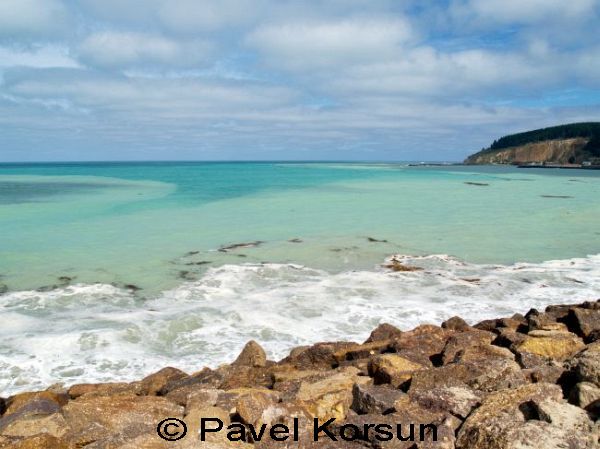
(44, 56)
(112, 49)
(526, 11)
(323, 44)
(32, 18)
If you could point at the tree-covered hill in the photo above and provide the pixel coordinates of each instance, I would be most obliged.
(588, 149)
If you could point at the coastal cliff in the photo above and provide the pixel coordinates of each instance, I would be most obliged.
(577, 143)
(561, 151)
(525, 381)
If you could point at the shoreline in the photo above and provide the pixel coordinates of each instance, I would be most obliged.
(493, 384)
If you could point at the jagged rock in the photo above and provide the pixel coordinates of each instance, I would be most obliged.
(378, 399)
(586, 364)
(318, 356)
(154, 383)
(462, 341)
(550, 372)
(552, 344)
(585, 393)
(458, 401)
(42, 441)
(106, 389)
(14, 403)
(363, 351)
(532, 416)
(330, 397)
(392, 369)
(206, 378)
(584, 321)
(253, 355)
(33, 417)
(456, 323)
(97, 417)
(384, 332)
(421, 345)
(2, 406)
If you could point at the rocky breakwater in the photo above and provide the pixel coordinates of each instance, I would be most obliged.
(528, 381)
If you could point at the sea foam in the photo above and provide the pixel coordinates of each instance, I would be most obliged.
(86, 333)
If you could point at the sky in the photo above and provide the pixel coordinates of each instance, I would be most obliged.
(376, 80)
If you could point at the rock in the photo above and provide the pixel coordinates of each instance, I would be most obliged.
(363, 351)
(97, 417)
(206, 378)
(2, 406)
(253, 355)
(318, 356)
(509, 338)
(584, 394)
(458, 401)
(532, 416)
(586, 364)
(551, 344)
(392, 369)
(33, 417)
(462, 341)
(384, 332)
(154, 383)
(14, 403)
(376, 399)
(106, 389)
(330, 397)
(584, 322)
(423, 344)
(42, 441)
(3, 288)
(456, 323)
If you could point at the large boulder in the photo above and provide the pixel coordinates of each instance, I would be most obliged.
(377, 399)
(330, 396)
(586, 364)
(556, 345)
(253, 355)
(457, 401)
(392, 369)
(155, 383)
(99, 417)
(533, 416)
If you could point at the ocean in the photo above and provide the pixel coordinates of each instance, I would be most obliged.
(110, 271)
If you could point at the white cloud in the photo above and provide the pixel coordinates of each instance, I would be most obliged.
(524, 11)
(38, 56)
(113, 49)
(32, 18)
(322, 44)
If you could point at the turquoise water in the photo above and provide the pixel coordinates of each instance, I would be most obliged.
(114, 270)
(134, 223)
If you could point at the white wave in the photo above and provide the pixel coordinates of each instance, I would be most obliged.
(85, 333)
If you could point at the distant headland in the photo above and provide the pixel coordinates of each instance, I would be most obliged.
(575, 145)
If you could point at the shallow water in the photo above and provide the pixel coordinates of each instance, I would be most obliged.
(86, 234)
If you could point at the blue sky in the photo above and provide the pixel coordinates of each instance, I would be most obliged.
(281, 79)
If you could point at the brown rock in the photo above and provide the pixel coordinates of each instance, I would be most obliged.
(206, 378)
(34, 417)
(458, 401)
(384, 332)
(461, 341)
(585, 393)
(330, 397)
(97, 417)
(456, 323)
(584, 322)
(363, 351)
(154, 383)
(531, 416)
(551, 344)
(42, 441)
(377, 399)
(392, 369)
(422, 344)
(106, 389)
(586, 364)
(253, 355)
(14, 403)
(319, 356)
